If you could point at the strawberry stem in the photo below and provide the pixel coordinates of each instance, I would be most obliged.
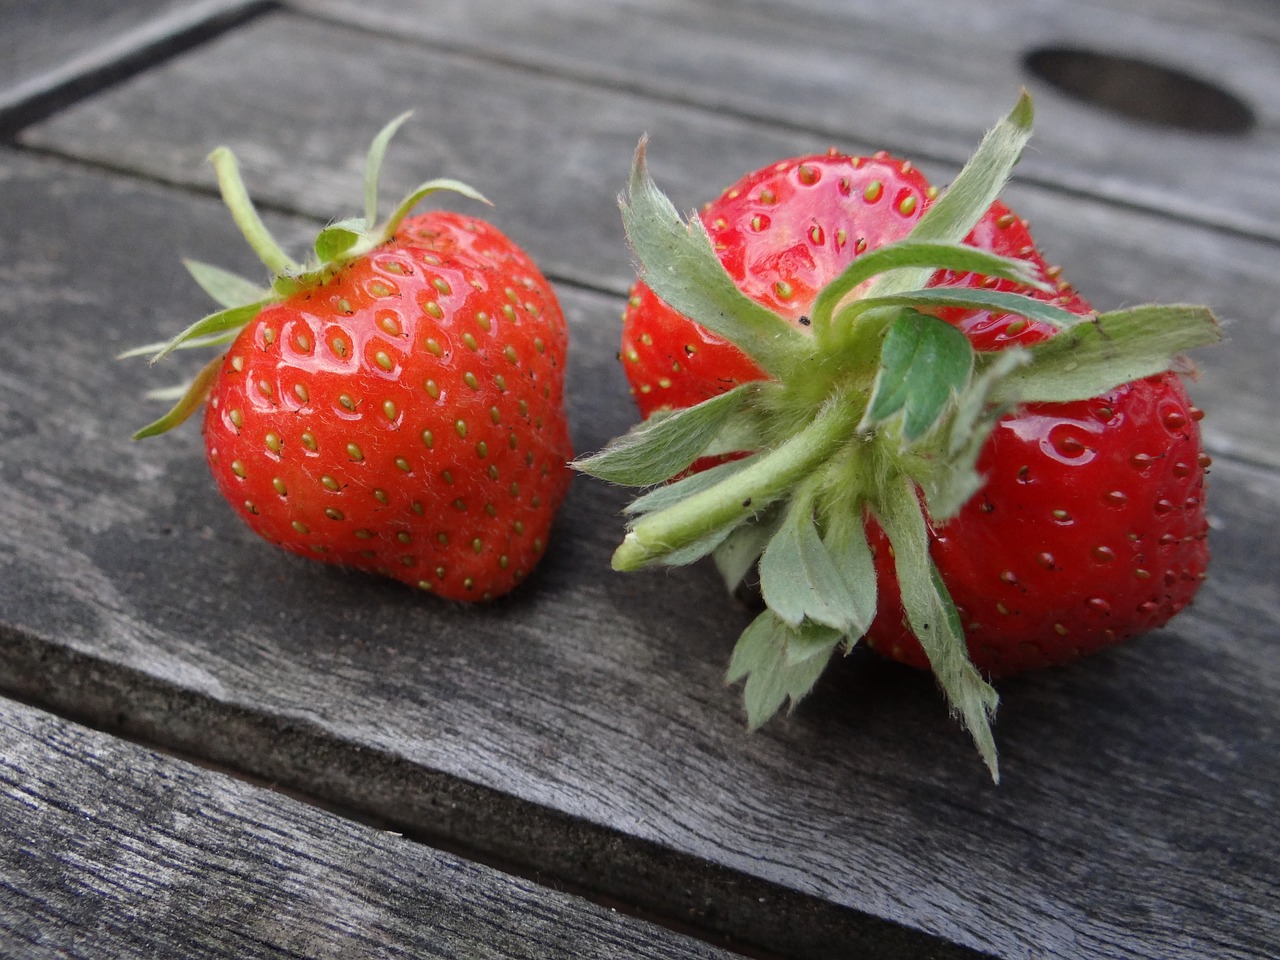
(741, 496)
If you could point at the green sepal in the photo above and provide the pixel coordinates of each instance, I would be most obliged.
(803, 578)
(780, 663)
(680, 265)
(1114, 348)
(937, 298)
(668, 442)
(948, 474)
(227, 289)
(187, 404)
(933, 618)
(957, 257)
(232, 318)
(738, 553)
(924, 363)
(975, 188)
(373, 165)
(194, 343)
(335, 240)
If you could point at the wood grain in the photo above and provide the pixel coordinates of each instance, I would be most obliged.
(54, 51)
(555, 161)
(580, 728)
(911, 76)
(114, 850)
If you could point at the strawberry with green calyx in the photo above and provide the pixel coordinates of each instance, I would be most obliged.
(396, 404)
(841, 366)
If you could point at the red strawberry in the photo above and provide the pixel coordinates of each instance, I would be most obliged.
(875, 411)
(397, 407)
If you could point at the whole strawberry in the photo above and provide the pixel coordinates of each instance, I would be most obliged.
(884, 400)
(395, 405)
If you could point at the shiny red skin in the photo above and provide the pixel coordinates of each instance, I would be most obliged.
(1090, 527)
(406, 417)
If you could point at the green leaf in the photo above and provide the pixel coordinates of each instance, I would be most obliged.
(933, 618)
(919, 253)
(997, 301)
(975, 188)
(924, 362)
(779, 663)
(337, 239)
(373, 166)
(226, 288)
(680, 265)
(232, 318)
(188, 404)
(1117, 347)
(802, 580)
(666, 443)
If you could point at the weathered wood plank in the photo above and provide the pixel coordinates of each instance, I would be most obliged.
(553, 154)
(52, 51)
(915, 77)
(579, 728)
(112, 850)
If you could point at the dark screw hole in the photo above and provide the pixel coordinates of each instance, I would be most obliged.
(1142, 90)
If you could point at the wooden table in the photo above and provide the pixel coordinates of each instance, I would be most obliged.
(213, 750)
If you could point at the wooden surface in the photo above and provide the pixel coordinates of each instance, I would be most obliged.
(578, 733)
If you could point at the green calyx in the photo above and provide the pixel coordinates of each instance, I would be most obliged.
(242, 300)
(878, 409)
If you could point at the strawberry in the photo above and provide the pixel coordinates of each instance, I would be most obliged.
(883, 399)
(394, 406)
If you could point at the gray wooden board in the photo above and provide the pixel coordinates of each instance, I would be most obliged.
(580, 727)
(113, 850)
(552, 154)
(912, 76)
(52, 50)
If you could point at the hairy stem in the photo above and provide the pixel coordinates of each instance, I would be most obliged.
(741, 495)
